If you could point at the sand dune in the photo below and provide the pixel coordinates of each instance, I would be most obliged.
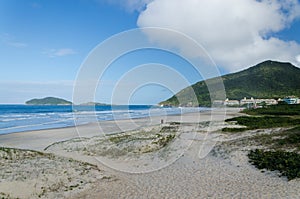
(186, 157)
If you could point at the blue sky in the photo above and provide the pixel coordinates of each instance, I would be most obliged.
(43, 43)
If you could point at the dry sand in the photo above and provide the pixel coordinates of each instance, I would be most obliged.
(189, 158)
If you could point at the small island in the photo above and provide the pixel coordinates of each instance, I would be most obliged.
(48, 101)
(93, 104)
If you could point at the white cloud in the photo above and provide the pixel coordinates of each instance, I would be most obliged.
(17, 44)
(64, 51)
(235, 33)
(59, 52)
(9, 40)
(298, 58)
(129, 5)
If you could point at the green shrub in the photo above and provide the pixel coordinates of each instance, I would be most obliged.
(169, 129)
(287, 163)
(163, 141)
(264, 122)
(234, 130)
(118, 138)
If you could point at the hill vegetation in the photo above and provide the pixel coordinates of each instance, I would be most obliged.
(269, 79)
(278, 110)
(48, 101)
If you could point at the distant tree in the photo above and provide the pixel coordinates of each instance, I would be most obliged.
(263, 104)
(282, 103)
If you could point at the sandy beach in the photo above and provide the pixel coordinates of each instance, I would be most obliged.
(185, 157)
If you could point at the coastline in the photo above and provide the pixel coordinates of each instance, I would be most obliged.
(24, 119)
(39, 139)
(190, 166)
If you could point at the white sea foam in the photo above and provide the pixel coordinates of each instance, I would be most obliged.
(18, 122)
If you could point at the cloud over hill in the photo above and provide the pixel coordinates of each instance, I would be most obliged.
(235, 33)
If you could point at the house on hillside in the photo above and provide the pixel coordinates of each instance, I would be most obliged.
(256, 102)
(218, 102)
(247, 101)
(228, 102)
(291, 100)
(267, 101)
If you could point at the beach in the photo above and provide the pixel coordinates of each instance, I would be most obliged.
(177, 156)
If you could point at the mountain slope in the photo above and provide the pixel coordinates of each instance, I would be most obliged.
(269, 79)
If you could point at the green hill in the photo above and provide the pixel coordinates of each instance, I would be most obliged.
(48, 101)
(269, 79)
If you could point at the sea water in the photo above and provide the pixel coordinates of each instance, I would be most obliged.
(19, 118)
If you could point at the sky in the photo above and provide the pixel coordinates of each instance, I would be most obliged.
(44, 44)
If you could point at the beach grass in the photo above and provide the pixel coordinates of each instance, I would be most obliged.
(22, 167)
(287, 163)
(288, 139)
(64, 176)
(132, 143)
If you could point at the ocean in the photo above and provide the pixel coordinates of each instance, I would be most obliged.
(20, 118)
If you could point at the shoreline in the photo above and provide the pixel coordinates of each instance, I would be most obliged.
(24, 129)
(91, 123)
(40, 139)
(196, 161)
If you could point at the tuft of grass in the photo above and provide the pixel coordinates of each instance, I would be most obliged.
(13, 153)
(234, 130)
(118, 138)
(175, 123)
(287, 163)
(287, 139)
(292, 137)
(169, 129)
(164, 140)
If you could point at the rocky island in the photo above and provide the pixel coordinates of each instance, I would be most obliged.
(48, 101)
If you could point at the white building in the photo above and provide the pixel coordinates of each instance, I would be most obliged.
(258, 101)
(228, 102)
(247, 101)
(291, 100)
(267, 101)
